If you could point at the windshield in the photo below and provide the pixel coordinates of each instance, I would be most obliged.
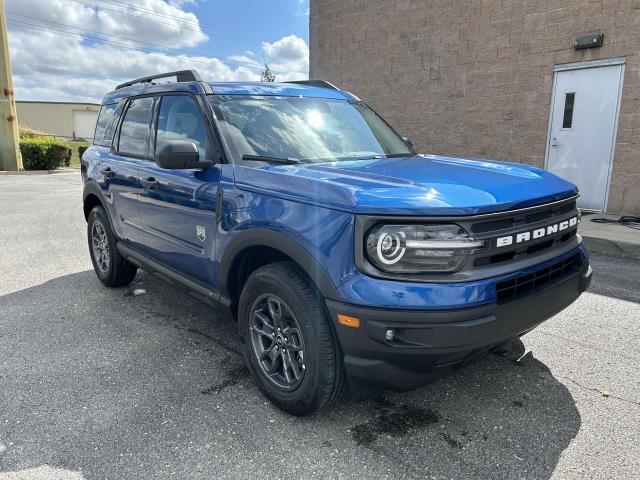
(304, 129)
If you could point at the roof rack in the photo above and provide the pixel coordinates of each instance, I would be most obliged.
(181, 76)
(315, 83)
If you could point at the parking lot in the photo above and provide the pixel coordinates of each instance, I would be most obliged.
(146, 382)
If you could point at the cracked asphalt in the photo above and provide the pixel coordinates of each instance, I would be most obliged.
(146, 382)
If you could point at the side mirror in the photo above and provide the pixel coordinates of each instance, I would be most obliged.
(408, 142)
(179, 155)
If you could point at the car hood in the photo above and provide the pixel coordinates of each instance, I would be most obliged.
(420, 185)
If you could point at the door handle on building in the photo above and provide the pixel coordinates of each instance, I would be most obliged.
(554, 141)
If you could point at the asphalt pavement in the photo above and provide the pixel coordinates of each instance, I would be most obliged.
(144, 382)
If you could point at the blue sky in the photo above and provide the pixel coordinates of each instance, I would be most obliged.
(245, 24)
(76, 50)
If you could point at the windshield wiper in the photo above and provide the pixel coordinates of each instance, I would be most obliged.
(366, 157)
(379, 156)
(264, 158)
(356, 157)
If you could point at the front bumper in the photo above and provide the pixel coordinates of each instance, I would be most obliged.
(429, 343)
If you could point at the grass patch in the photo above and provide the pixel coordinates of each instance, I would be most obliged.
(75, 158)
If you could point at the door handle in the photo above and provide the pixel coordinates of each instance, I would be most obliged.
(149, 183)
(107, 172)
(554, 141)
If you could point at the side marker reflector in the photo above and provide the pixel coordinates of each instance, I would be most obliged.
(347, 321)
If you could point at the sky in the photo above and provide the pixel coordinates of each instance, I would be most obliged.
(77, 50)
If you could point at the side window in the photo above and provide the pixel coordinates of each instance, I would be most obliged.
(107, 119)
(135, 127)
(104, 117)
(180, 119)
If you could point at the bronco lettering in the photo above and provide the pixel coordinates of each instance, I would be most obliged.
(524, 237)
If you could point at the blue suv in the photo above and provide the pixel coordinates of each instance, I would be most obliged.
(346, 258)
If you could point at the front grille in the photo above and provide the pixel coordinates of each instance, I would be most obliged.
(531, 282)
(523, 251)
(544, 213)
(518, 222)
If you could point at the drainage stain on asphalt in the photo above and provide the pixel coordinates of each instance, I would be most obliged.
(394, 420)
(451, 441)
(194, 331)
(234, 376)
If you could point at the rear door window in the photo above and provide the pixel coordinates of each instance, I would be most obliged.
(134, 132)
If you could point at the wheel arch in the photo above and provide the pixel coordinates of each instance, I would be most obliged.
(93, 197)
(90, 202)
(254, 248)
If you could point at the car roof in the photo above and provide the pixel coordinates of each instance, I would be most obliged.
(278, 89)
(229, 88)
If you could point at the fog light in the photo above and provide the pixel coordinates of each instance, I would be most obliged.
(390, 334)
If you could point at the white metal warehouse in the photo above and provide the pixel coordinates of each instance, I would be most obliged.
(63, 119)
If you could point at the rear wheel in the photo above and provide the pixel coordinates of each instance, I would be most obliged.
(110, 267)
(288, 341)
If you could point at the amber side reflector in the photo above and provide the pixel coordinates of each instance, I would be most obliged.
(347, 321)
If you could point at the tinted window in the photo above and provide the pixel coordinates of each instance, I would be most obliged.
(106, 123)
(567, 118)
(180, 119)
(135, 126)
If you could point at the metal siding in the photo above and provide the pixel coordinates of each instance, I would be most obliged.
(51, 118)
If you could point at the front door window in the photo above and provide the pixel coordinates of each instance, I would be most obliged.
(135, 128)
(180, 119)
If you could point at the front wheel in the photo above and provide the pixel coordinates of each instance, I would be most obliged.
(288, 341)
(110, 267)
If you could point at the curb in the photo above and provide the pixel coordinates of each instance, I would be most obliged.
(615, 248)
(41, 172)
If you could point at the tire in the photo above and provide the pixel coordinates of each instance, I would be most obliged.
(307, 343)
(111, 268)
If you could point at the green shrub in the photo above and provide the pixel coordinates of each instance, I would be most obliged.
(81, 150)
(44, 153)
(59, 154)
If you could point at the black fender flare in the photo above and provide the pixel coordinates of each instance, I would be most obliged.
(92, 188)
(262, 237)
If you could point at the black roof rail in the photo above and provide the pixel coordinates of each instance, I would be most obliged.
(315, 83)
(181, 76)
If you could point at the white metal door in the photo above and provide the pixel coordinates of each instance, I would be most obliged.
(584, 116)
(84, 123)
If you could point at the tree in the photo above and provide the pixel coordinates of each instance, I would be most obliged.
(266, 75)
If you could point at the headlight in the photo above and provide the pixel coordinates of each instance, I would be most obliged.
(419, 248)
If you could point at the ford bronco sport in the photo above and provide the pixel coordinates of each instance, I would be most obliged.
(346, 257)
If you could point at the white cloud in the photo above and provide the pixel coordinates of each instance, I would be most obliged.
(288, 48)
(153, 21)
(290, 53)
(68, 67)
(244, 60)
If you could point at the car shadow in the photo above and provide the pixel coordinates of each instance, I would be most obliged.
(142, 381)
(611, 277)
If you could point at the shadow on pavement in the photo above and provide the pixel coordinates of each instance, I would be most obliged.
(611, 277)
(144, 382)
